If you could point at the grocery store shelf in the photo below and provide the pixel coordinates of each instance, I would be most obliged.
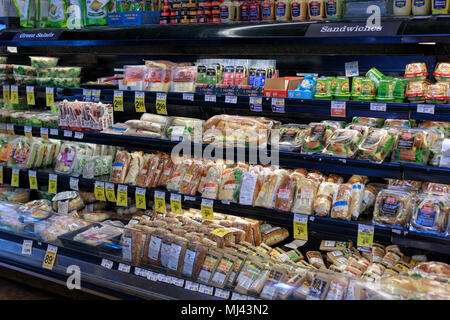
(395, 31)
(315, 223)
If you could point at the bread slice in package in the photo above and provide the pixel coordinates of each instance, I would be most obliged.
(237, 266)
(211, 184)
(273, 235)
(175, 180)
(304, 197)
(275, 278)
(252, 182)
(135, 167)
(223, 270)
(324, 198)
(120, 167)
(193, 259)
(291, 281)
(258, 283)
(284, 194)
(230, 184)
(250, 271)
(267, 194)
(178, 247)
(152, 250)
(191, 179)
(338, 288)
(342, 200)
(209, 265)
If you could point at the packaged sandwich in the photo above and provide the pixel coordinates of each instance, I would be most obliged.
(398, 123)
(249, 272)
(181, 128)
(319, 286)
(267, 194)
(209, 266)
(342, 200)
(324, 198)
(315, 258)
(213, 174)
(372, 122)
(230, 184)
(191, 179)
(393, 207)
(272, 235)
(431, 213)
(24, 153)
(316, 137)
(275, 277)
(284, 194)
(291, 137)
(136, 165)
(343, 143)
(252, 182)
(377, 146)
(412, 145)
(330, 245)
(176, 178)
(193, 259)
(120, 167)
(304, 197)
(223, 270)
(357, 199)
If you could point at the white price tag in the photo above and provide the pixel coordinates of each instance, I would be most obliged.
(188, 96)
(396, 231)
(79, 135)
(124, 268)
(375, 106)
(225, 201)
(27, 247)
(231, 99)
(237, 296)
(207, 202)
(161, 96)
(54, 132)
(193, 286)
(67, 134)
(205, 289)
(107, 263)
(87, 94)
(152, 276)
(425, 108)
(189, 198)
(338, 108)
(177, 282)
(255, 104)
(73, 182)
(351, 69)
(210, 98)
(160, 194)
(175, 196)
(137, 271)
(224, 294)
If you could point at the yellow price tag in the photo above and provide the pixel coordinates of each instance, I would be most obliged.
(10, 129)
(6, 93)
(14, 94)
(139, 101)
(300, 226)
(118, 100)
(160, 201)
(109, 190)
(15, 178)
(1, 174)
(161, 99)
(49, 96)
(30, 95)
(365, 237)
(99, 191)
(122, 195)
(32, 179)
(50, 257)
(44, 133)
(52, 183)
(221, 232)
(207, 209)
(175, 203)
(140, 198)
(28, 132)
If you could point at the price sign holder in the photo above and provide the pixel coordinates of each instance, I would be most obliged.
(118, 100)
(73, 182)
(278, 105)
(44, 133)
(6, 93)
(32, 179)
(365, 237)
(122, 195)
(109, 190)
(14, 94)
(160, 201)
(52, 183)
(175, 203)
(300, 226)
(207, 209)
(99, 190)
(30, 96)
(15, 177)
(49, 96)
(161, 103)
(338, 109)
(139, 101)
(50, 257)
(255, 104)
(140, 198)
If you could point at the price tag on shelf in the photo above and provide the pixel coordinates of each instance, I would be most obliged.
(210, 97)
(144, 273)
(88, 169)
(87, 95)
(338, 108)
(224, 294)
(73, 183)
(176, 281)
(109, 190)
(32, 179)
(255, 104)
(63, 207)
(118, 100)
(122, 195)
(50, 257)
(140, 198)
(124, 268)
(278, 105)
(137, 271)
(205, 289)
(192, 286)
(44, 133)
(28, 132)
(300, 226)
(365, 237)
(49, 96)
(67, 134)
(175, 203)
(6, 93)
(161, 103)
(108, 264)
(30, 96)
(78, 135)
(27, 247)
(54, 132)
(351, 69)
(425, 108)
(207, 209)
(15, 177)
(10, 129)
(163, 278)
(1, 174)
(189, 198)
(99, 190)
(96, 95)
(152, 276)
(160, 201)
(188, 96)
(231, 99)
(14, 94)
(237, 296)
(139, 101)
(52, 183)
(376, 106)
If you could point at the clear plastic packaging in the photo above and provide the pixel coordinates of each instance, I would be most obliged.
(43, 62)
(377, 146)
(230, 184)
(183, 79)
(64, 72)
(343, 143)
(24, 153)
(24, 70)
(181, 128)
(412, 145)
(430, 214)
(324, 198)
(212, 181)
(342, 200)
(291, 137)
(316, 137)
(393, 208)
(442, 71)
(120, 167)
(157, 79)
(305, 195)
(178, 175)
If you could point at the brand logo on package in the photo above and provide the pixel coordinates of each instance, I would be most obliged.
(36, 35)
(352, 29)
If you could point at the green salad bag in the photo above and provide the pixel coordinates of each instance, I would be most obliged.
(76, 14)
(41, 13)
(96, 12)
(27, 12)
(57, 14)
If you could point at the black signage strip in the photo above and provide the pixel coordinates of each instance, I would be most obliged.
(353, 29)
(37, 35)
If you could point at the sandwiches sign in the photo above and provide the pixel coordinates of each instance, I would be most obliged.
(352, 29)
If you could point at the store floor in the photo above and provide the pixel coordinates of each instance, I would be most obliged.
(11, 290)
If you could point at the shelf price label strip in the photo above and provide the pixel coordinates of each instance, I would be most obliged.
(14, 94)
(109, 190)
(52, 183)
(122, 195)
(207, 209)
(139, 101)
(6, 93)
(49, 96)
(15, 177)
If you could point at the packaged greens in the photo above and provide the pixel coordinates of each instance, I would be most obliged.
(26, 11)
(43, 62)
(41, 13)
(96, 11)
(76, 14)
(57, 14)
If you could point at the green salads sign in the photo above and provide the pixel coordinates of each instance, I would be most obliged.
(37, 35)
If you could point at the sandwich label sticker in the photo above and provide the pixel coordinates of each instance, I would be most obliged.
(160, 201)
(109, 190)
(140, 198)
(338, 108)
(32, 179)
(207, 209)
(161, 103)
(118, 100)
(300, 226)
(139, 101)
(365, 237)
(30, 95)
(175, 203)
(14, 94)
(50, 257)
(122, 195)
